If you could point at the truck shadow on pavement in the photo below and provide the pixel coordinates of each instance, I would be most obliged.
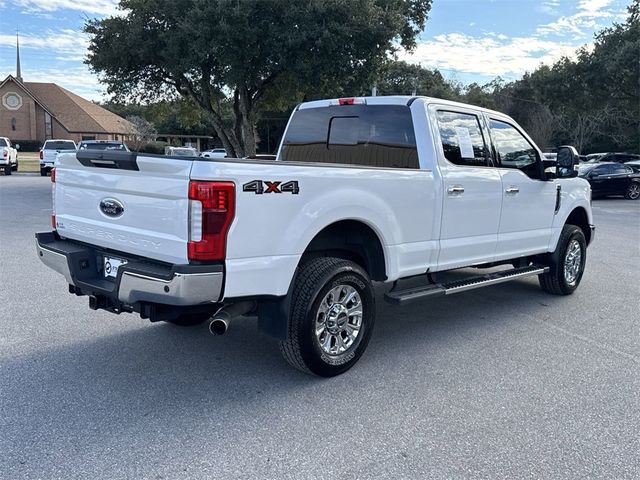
(160, 375)
(158, 358)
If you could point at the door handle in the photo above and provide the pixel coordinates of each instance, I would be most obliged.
(512, 190)
(455, 190)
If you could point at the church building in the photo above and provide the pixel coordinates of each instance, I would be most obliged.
(35, 111)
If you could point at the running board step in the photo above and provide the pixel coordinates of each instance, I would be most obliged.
(401, 297)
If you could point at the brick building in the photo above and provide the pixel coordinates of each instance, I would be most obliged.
(35, 111)
(38, 111)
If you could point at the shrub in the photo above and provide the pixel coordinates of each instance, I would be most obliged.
(153, 147)
(27, 145)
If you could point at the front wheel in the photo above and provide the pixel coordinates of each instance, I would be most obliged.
(567, 263)
(332, 317)
(633, 191)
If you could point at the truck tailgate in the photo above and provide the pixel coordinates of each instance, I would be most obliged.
(49, 156)
(138, 205)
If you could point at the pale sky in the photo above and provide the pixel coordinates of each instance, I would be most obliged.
(468, 40)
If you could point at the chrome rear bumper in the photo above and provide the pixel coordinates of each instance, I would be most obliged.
(140, 280)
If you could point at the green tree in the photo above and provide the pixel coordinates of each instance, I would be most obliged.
(402, 78)
(592, 101)
(227, 56)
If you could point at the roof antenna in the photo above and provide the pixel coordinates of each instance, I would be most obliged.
(18, 70)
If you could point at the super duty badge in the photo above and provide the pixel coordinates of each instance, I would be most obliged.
(263, 186)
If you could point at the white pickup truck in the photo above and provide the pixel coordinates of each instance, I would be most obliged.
(8, 156)
(49, 152)
(375, 189)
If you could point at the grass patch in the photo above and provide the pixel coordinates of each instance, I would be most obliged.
(28, 165)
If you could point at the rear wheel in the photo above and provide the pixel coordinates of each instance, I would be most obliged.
(43, 171)
(7, 169)
(633, 191)
(332, 317)
(567, 263)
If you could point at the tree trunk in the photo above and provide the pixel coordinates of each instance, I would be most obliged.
(244, 121)
(238, 139)
(248, 122)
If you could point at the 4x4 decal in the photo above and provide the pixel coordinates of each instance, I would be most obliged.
(263, 186)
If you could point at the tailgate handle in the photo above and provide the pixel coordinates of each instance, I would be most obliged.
(106, 159)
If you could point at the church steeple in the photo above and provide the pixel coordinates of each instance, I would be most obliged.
(18, 70)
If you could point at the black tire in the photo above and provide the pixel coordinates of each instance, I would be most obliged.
(190, 319)
(557, 281)
(7, 169)
(43, 172)
(313, 283)
(633, 191)
(15, 167)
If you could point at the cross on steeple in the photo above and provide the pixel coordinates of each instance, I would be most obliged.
(18, 70)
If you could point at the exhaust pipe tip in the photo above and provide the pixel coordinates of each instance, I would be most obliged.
(219, 323)
(218, 326)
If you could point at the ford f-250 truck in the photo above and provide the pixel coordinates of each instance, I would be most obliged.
(363, 190)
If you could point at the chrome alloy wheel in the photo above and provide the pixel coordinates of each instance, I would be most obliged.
(572, 262)
(339, 320)
(634, 191)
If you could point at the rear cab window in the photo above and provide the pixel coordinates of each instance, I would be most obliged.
(59, 145)
(102, 146)
(368, 135)
(462, 140)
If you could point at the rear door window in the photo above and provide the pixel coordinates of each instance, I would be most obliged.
(619, 169)
(462, 139)
(603, 170)
(368, 135)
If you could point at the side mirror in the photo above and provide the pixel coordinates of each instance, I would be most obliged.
(17, 146)
(566, 161)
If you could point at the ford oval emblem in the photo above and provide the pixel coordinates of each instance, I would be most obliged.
(111, 207)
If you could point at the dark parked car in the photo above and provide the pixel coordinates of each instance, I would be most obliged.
(611, 179)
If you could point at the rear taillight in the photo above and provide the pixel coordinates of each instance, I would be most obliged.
(5, 153)
(211, 211)
(53, 175)
(53, 221)
(41, 155)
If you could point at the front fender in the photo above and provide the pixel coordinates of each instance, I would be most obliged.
(575, 193)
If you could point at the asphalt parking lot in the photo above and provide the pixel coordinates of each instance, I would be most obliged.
(501, 382)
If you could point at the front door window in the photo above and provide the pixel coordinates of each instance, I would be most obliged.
(513, 150)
